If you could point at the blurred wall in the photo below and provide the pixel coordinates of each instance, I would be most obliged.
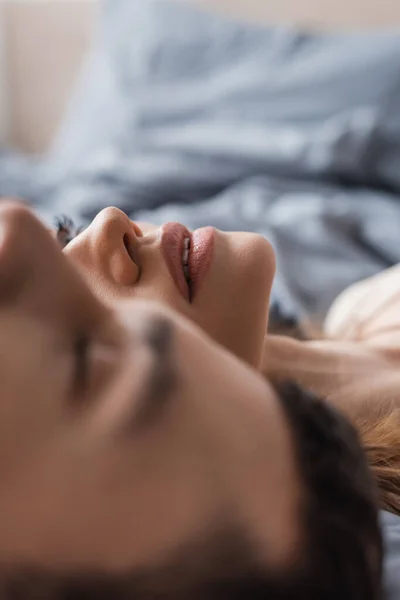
(320, 13)
(44, 44)
(44, 41)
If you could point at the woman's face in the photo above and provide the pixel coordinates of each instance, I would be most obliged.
(125, 431)
(230, 274)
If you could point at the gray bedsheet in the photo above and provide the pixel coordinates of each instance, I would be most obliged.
(391, 531)
(326, 236)
(181, 115)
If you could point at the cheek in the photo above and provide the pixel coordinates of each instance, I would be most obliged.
(80, 258)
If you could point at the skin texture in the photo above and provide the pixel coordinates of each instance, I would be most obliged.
(124, 427)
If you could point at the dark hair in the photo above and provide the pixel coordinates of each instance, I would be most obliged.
(340, 555)
(343, 542)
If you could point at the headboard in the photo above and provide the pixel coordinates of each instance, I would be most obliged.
(43, 44)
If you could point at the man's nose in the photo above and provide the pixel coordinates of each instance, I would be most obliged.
(26, 250)
(110, 246)
(33, 272)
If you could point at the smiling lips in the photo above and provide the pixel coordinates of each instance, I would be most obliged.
(188, 256)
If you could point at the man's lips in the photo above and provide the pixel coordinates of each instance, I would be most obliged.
(173, 237)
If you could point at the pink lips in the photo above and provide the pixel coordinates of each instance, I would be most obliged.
(200, 256)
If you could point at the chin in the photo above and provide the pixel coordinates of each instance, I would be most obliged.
(237, 301)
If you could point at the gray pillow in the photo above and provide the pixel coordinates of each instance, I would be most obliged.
(167, 79)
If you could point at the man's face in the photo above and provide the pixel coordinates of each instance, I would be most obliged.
(125, 431)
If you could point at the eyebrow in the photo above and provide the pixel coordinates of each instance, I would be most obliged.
(162, 378)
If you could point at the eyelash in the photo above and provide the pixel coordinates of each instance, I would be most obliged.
(66, 230)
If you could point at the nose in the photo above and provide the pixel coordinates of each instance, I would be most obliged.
(109, 247)
(33, 272)
(26, 249)
(19, 244)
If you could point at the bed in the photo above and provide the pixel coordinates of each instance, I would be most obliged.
(183, 114)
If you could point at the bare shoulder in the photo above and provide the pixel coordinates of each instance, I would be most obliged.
(369, 311)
